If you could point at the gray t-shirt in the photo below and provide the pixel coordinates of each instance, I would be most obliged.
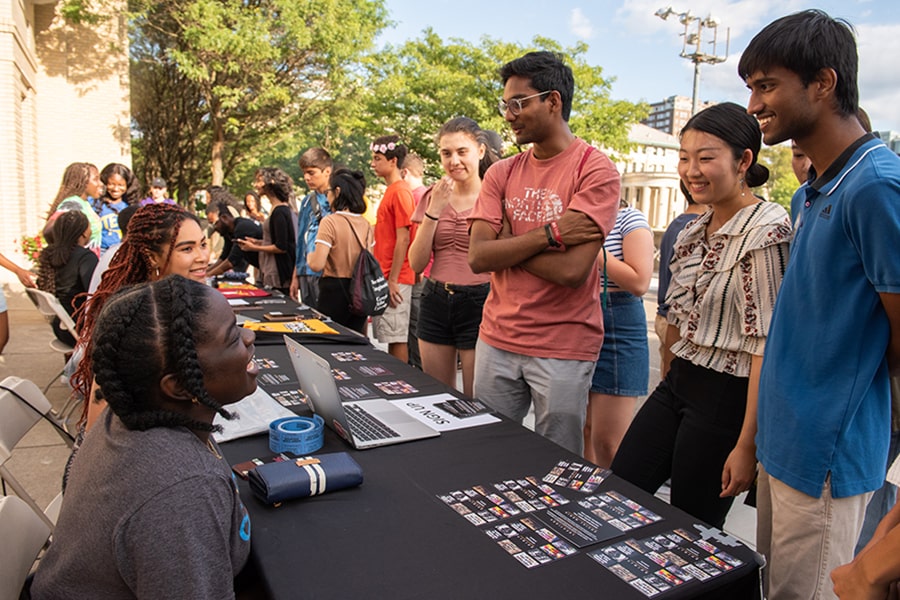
(146, 514)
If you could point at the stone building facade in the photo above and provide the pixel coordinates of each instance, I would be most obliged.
(64, 97)
(650, 175)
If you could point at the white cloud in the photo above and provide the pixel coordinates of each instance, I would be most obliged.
(580, 25)
(879, 92)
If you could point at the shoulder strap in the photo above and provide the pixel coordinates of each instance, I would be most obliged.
(584, 158)
(313, 199)
(356, 235)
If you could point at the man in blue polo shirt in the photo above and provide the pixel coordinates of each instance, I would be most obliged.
(824, 397)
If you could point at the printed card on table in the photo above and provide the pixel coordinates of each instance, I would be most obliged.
(508, 512)
(428, 410)
(665, 561)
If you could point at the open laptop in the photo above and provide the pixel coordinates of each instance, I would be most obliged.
(363, 424)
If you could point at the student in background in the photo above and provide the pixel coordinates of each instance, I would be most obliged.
(278, 246)
(453, 296)
(413, 173)
(232, 228)
(340, 239)
(392, 239)
(316, 165)
(253, 207)
(121, 189)
(159, 193)
(123, 218)
(623, 368)
(66, 266)
(80, 181)
(800, 163)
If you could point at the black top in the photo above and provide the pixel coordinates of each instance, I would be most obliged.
(239, 259)
(75, 278)
(284, 236)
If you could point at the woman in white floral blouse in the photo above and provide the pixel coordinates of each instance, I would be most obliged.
(698, 426)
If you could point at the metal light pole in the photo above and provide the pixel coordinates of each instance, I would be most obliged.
(692, 48)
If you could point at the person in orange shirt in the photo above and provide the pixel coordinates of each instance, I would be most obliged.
(392, 238)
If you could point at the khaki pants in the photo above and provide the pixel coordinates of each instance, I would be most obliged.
(804, 538)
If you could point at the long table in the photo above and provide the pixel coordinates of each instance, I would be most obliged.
(393, 537)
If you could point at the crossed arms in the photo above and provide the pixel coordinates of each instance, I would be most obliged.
(495, 251)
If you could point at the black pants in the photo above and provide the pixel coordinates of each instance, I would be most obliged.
(334, 301)
(685, 431)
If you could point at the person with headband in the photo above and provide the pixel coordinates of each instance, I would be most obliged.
(392, 238)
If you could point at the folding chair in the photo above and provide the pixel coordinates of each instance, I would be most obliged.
(22, 405)
(50, 307)
(24, 534)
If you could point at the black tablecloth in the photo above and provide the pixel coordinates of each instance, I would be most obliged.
(393, 538)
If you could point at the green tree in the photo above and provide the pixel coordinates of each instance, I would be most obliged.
(250, 75)
(782, 182)
(416, 87)
(171, 138)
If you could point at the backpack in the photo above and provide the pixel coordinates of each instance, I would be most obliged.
(369, 293)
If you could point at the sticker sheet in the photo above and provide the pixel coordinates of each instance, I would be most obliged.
(665, 561)
(585, 478)
(537, 525)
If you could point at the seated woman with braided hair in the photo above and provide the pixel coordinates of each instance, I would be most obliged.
(151, 509)
(162, 239)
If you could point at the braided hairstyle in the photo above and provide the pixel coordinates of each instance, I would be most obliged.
(67, 230)
(153, 228)
(74, 183)
(145, 332)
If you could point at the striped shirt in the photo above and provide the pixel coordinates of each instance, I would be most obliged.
(628, 219)
(723, 289)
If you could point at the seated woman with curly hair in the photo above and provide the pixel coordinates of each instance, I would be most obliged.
(151, 509)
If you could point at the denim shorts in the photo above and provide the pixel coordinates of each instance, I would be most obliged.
(450, 314)
(624, 364)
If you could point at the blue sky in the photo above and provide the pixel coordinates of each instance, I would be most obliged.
(641, 51)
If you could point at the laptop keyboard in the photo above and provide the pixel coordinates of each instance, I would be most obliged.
(365, 427)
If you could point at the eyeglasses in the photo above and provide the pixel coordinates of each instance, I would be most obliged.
(515, 105)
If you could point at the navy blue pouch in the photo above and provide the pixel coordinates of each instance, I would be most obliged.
(273, 483)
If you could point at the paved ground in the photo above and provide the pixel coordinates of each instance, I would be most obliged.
(39, 459)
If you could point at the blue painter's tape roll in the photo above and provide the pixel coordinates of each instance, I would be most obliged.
(297, 435)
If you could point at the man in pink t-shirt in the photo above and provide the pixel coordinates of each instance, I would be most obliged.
(392, 238)
(538, 225)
